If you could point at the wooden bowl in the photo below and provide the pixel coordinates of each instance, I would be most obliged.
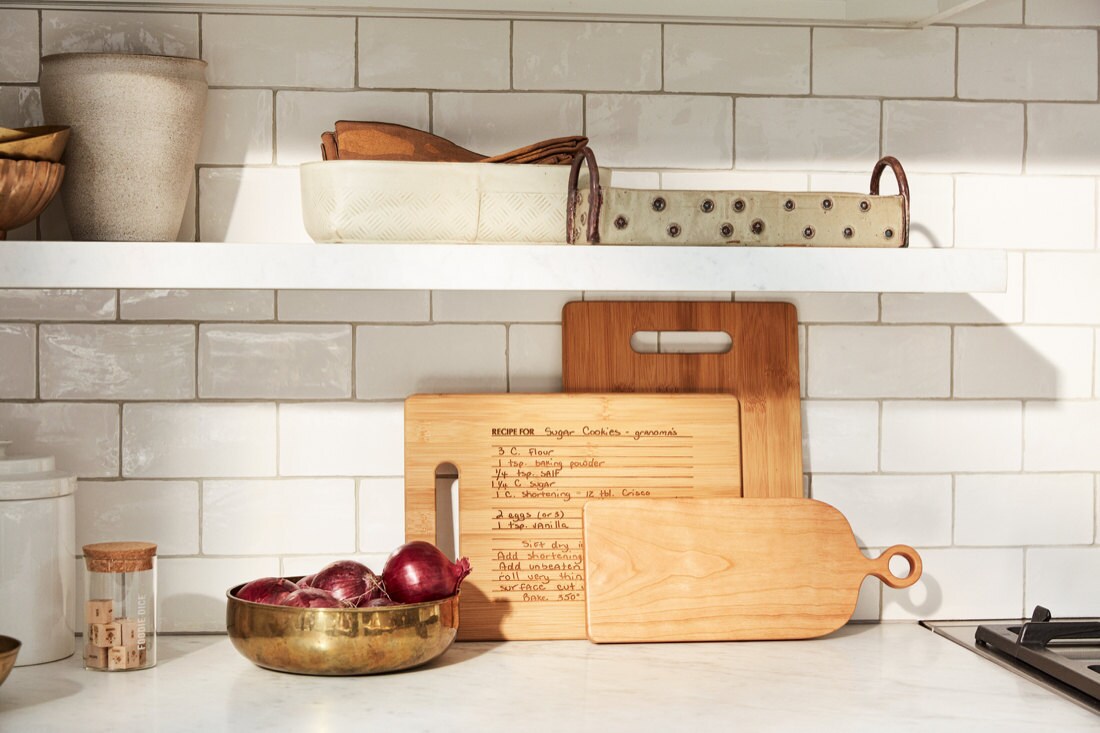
(26, 187)
(34, 143)
(9, 650)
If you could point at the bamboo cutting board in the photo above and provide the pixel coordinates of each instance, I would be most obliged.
(760, 369)
(724, 569)
(528, 463)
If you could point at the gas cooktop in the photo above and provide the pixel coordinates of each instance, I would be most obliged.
(1061, 654)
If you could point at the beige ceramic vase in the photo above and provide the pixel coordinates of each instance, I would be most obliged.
(136, 126)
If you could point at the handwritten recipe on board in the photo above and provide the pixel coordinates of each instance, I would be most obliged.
(528, 463)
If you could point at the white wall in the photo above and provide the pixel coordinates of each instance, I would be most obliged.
(259, 432)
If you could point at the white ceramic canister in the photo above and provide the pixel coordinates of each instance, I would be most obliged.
(136, 127)
(37, 556)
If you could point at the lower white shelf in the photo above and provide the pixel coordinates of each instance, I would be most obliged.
(411, 266)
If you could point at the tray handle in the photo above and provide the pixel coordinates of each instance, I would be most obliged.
(595, 197)
(894, 165)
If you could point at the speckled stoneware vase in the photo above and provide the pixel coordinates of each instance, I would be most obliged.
(136, 126)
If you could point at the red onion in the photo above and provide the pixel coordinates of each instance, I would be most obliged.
(417, 572)
(307, 581)
(267, 590)
(379, 601)
(349, 581)
(311, 598)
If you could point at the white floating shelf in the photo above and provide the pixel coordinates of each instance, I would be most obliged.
(496, 267)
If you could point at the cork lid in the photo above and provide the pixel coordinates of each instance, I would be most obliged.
(119, 557)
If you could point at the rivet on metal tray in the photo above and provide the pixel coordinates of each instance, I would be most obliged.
(864, 205)
(889, 233)
(739, 205)
(658, 204)
(674, 230)
(827, 204)
(808, 232)
(707, 206)
(620, 222)
(789, 204)
(726, 230)
(757, 226)
(849, 232)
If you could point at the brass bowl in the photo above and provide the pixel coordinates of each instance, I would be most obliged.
(46, 142)
(340, 641)
(26, 187)
(9, 650)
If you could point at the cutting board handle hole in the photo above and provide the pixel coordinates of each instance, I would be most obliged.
(899, 566)
(681, 342)
(446, 509)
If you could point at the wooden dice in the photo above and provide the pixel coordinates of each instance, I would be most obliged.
(112, 643)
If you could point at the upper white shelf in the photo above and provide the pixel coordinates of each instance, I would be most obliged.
(496, 267)
(885, 13)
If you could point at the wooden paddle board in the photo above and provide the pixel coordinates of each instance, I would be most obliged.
(760, 369)
(724, 569)
(526, 466)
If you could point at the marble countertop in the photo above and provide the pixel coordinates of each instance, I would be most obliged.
(881, 677)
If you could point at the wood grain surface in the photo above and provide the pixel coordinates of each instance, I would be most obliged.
(724, 569)
(526, 466)
(761, 370)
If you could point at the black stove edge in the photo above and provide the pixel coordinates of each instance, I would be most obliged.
(964, 636)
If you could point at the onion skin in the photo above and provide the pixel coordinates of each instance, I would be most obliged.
(311, 598)
(349, 581)
(417, 572)
(378, 602)
(307, 581)
(271, 591)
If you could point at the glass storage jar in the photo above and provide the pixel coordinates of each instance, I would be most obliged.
(120, 606)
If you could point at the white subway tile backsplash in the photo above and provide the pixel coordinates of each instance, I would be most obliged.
(941, 436)
(738, 60)
(647, 130)
(238, 127)
(886, 510)
(991, 12)
(275, 361)
(107, 361)
(1061, 287)
(18, 361)
(179, 440)
(1023, 361)
(380, 306)
(1061, 138)
(1062, 436)
(381, 515)
(342, 439)
(1063, 12)
(961, 583)
(840, 436)
(18, 46)
(491, 124)
(433, 54)
(20, 106)
(1047, 212)
(301, 117)
(117, 511)
(436, 358)
(279, 51)
(502, 306)
(197, 305)
(83, 438)
(1024, 509)
(823, 307)
(1031, 64)
(229, 199)
(734, 180)
(278, 516)
(1054, 580)
(57, 305)
(807, 134)
(534, 358)
(191, 591)
(879, 361)
(158, 34)
(884, 62)
(598, 56)
(1006, 307)
(954, 137)
(300, 565)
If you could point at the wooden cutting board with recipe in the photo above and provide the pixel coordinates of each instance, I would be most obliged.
(760, 369)
(527, 464)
